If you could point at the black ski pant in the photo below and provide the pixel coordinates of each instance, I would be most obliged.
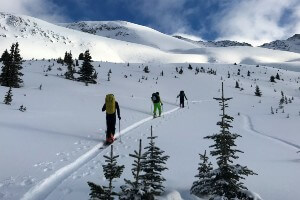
(182, 104)
(110, 124)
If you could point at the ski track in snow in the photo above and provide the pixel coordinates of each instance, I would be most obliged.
(248, 126)
(46, 186)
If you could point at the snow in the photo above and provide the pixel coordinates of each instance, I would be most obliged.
(52, 150)
(55, 147)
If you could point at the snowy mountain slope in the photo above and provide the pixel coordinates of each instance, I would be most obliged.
(222, 43)
(43, 148)
(126, 31)
(40, 39)
(291, 44)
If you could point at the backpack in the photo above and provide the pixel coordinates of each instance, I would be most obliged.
(110, 104)
(155, 98)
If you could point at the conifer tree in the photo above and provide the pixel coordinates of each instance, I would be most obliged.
(203, 186)
(5, 79)
(87, 72)
(277, 76)
(237, 85)
(257, 91)
(281, 101)
(153, 166)
(11, 75)
(111, 172)
(70, 66)
(248, 73)
(81, 56)
(228, 175)
(134, 189)
(272, 79)
(8, 97)
(4, 56)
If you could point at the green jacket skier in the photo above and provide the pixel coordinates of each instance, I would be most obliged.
(156, 103)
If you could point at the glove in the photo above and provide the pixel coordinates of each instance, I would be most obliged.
(119, 117)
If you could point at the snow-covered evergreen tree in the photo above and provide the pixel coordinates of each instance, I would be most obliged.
(133, 190)
(111, 172)
(203, 185)
(257, 91)
(228, 175)
(87, 72)
(153, 166)
(8, 97)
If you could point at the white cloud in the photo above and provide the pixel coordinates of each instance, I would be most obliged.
(257, 21)
(42, 9)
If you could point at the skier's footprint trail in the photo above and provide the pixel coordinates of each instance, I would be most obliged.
(46, 186)
(248, 126)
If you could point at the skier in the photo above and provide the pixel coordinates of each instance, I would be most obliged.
(110, 106)
(182, 96)
(156, 103)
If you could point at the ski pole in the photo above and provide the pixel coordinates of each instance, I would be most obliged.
(188, 104)
(120, 131)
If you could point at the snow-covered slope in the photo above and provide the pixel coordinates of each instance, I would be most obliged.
(50, 151)
(128, 43)
(222, 43)
(291, 44)
(126, 31)
(40, 39)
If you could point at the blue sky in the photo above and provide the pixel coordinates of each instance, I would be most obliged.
(253, 21)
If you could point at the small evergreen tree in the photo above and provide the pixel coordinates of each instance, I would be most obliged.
(8, 97)
(272, 79)
(153, 166)
(228, 175)
(134, 189)
(146, 69)
(248, 73)
(180, 71)
(22, 108)
(281, 101)
(87, 72)
(277, 76)
(237, 85)
(111, 172)
(190, 67)
(257, 91)
(203, 186)
(70, 66)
